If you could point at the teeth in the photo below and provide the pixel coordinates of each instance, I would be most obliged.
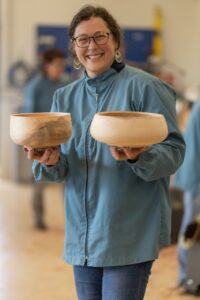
(94, 56)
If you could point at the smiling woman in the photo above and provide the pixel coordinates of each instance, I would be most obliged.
(117, 198)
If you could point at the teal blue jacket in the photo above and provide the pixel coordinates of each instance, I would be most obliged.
(187, 177)
(117, 212)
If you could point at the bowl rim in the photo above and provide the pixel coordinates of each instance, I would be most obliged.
(41, 114)
(124, 113)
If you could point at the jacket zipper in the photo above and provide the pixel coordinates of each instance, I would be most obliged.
(86, 187)
(97, 98)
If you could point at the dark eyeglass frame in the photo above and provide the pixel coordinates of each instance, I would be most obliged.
(94, 37)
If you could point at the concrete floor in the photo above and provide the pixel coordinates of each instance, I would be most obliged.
(31, 265)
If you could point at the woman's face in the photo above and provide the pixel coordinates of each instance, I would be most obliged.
(95, 58)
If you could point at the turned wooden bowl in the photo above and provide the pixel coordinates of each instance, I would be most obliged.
(129, 129)
(40, 130)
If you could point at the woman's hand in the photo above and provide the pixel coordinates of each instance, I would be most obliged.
(124, 153)
(47, 156)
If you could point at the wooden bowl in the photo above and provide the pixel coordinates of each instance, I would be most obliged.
(129, 129)
(40, 130)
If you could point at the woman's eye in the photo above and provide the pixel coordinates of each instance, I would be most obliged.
(99, 37)
(82, 39)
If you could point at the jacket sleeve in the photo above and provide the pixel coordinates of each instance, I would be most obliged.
(160, 160)
(55, 173)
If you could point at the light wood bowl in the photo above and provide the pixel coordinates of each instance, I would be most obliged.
(129, 129)
(40, 130)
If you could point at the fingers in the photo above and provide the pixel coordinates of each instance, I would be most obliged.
(47, 156)
(133, 153)
(50, 156)
(33, 153)
(124, 153)
(117, 153)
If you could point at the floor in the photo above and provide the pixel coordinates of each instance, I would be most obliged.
(31, 265)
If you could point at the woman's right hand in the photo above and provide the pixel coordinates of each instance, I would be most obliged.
(47, 156)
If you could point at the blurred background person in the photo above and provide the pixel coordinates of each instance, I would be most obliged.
(187, 179)
(38, 96)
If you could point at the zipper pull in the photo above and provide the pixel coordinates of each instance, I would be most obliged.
(97, 96)
(86, 260)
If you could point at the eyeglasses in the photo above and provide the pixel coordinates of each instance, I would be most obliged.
(83, 41)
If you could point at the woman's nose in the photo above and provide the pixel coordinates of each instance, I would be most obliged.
(92, 43)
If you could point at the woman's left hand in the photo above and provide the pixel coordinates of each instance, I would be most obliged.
(124, 153)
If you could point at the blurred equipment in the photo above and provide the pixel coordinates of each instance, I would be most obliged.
(18, 74)
(137, 46)
(192, 93)
(177, 212)
(174, 75)
(154, 60)
(192, 284)
(159, 66)
(192, 234)
(157, 39)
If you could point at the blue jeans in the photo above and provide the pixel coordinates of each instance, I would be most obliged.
(112, 283)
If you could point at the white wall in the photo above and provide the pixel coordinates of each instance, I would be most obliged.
(181, 36)
(19, 18)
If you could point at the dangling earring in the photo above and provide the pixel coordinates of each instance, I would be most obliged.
(118, 56)
(76, 63)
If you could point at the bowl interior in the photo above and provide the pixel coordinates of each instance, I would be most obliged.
(41, 115)
(128, 114)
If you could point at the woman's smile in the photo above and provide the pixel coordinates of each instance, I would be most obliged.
(94, 56)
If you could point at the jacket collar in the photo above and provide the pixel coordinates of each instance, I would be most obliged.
(118, 66)
(105, 77)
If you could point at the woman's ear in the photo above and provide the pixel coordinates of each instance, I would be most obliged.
(72, 49)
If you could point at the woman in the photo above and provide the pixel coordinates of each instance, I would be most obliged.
(117, 200)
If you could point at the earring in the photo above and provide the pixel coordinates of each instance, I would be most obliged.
(76, 63)
(118, 56)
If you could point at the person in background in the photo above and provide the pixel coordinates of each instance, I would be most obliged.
(187, 179)
(117, 200)
(38, 97)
